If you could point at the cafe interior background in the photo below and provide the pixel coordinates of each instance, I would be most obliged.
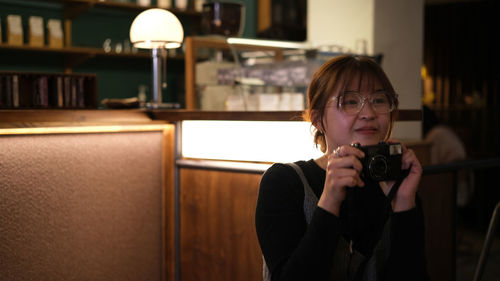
(99, 181)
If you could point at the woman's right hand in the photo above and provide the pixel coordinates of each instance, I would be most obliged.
(342, 171)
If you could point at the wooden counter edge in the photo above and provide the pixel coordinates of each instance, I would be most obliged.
(141, 116)
(179, 115)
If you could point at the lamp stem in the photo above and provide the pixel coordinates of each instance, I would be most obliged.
(164, 55)
(156, 53)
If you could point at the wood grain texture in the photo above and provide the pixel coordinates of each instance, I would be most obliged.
(179, 115)
(72, 117)
(169, 202)
(438, 200)
(33, 117)
(422, 151)
(218, 236)
(189, 73)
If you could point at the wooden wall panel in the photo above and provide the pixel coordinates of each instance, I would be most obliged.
(466, 87)
(438, 200)
(422, 151)
(217, 229)
(264, 15)
(169, 202)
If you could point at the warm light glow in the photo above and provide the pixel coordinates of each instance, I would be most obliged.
(260, 141)
(268, 43)
(156, 28)
(82, 129)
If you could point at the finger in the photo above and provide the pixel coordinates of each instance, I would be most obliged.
(409, 160)
(346, 150)
(404, 148)
(336, 152)
(350, 181)
(406, 160)
(345, 162)
(393, 141)
(345, 172)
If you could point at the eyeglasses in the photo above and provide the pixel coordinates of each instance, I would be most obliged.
(352, 103)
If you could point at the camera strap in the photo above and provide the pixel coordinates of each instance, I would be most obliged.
(395, 187)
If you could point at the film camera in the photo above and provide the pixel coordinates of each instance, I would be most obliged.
(382, 161)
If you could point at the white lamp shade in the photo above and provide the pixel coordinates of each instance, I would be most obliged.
(156, 28)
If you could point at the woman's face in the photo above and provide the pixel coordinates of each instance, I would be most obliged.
(366, 127)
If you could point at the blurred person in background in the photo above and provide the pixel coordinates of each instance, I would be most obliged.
(447, 147)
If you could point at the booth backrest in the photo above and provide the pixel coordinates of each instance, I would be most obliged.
(81, 206)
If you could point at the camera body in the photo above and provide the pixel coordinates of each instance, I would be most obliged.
(382, 161)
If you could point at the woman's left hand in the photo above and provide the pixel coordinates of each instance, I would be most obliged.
(405, 197)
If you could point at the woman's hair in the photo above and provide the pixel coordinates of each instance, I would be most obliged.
(332, 79)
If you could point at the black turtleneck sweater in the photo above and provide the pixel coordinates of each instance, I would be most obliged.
(294, 250)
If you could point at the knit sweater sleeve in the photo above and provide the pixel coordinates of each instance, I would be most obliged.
(407, 258)
(292, 249)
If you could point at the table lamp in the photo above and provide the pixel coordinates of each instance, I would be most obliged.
(158, 30)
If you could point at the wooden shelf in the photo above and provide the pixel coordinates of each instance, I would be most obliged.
(82, 5)
(81, 51)
(135, 7)
(77, 55)
(74, 51)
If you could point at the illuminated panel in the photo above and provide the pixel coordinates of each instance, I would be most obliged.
(268, 43)
(260, 141)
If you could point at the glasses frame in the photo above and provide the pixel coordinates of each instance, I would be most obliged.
(363, 100)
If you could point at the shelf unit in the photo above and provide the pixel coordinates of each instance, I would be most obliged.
(75, 55)
(192, 43)
(74, 8)
(120, 74)
(47, 90)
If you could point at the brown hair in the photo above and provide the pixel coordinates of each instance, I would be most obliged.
(332, 79)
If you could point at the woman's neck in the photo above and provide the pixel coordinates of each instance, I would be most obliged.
(322, 161)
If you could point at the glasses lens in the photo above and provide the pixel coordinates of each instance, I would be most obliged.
(381, 103)
(351, 103)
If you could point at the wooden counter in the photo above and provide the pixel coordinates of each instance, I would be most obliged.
(178, 115)
(29, 117)
(66, 117)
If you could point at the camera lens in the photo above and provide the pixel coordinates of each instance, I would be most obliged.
(378, 167)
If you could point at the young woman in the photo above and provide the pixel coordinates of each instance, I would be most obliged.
(322, 219)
